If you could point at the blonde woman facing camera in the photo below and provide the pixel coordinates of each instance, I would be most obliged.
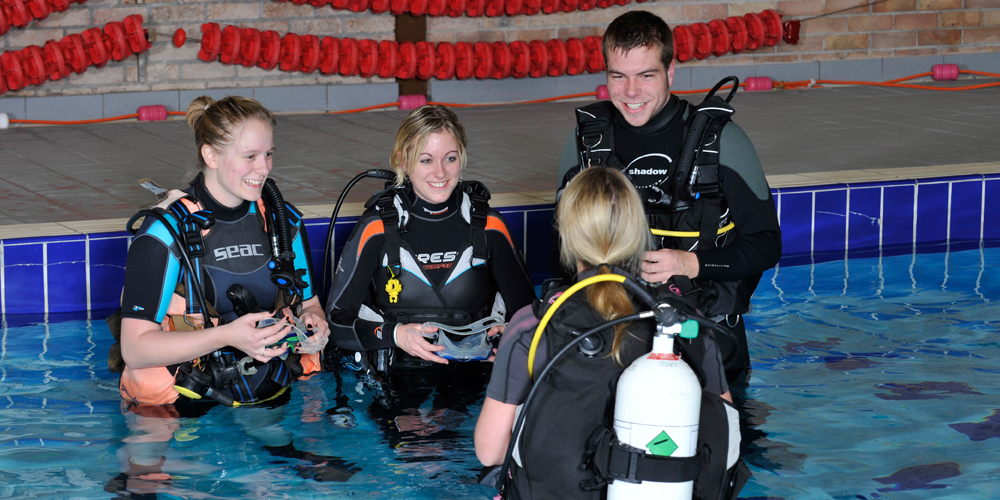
(428, 250)
(605, 232)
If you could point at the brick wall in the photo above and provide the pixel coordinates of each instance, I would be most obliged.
(889, 29)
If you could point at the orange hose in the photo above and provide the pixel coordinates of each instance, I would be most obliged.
(536, 101)
(368, 108)
(77, 122)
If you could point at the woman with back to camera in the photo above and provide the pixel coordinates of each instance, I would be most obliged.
(199, 278)
(604, 232)
(427, 250)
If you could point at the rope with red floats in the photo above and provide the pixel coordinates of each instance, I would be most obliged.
(34, 65)
(19, 13)
(469, 8)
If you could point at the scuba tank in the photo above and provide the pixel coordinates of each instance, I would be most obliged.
(657, 408)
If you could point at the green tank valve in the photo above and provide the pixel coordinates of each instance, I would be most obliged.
(689, 329)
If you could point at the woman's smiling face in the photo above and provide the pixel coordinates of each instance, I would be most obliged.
(237, 173)
(437, 168)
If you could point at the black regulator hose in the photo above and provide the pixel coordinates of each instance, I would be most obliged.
(681, 186)
(375, 173)
(280, 218)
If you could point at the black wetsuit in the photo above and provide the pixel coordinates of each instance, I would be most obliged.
(739, 260)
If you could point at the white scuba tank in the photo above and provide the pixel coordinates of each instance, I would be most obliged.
(657, 409)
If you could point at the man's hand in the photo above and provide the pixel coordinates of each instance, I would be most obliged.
(659, 266)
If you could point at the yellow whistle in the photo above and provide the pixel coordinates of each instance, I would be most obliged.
(393, 287)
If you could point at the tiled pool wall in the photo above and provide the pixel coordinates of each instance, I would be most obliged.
(70, 275)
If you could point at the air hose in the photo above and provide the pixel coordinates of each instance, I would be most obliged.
(375, 173)
(282, 265)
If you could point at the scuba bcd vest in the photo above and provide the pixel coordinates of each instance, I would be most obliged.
(188, 225)
(403, 294)
(575, 408)
(683, 196)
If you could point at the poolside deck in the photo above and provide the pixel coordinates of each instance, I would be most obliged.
(79, 179)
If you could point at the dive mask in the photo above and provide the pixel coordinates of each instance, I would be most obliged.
(300, 338)
(466, 343)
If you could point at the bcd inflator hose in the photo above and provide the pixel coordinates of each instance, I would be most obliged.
(375, 173)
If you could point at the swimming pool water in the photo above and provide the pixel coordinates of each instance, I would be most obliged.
(872, 379)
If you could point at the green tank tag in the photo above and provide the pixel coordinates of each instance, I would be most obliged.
(689, 329)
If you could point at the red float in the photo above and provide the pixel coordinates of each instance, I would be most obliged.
(755, 31)
(329, 55)
(310, 53)
(38, 9)
(437, 8)
(702, 40)
(426, 60)
(134, 33)
(576, 54)
(465, 61)
(291, 52)
(595, 57)
(270, 50)
(513, 7)
(179, 38)
(33, 65)
(738, 30)
(586, 4)
(944, 72)
(114, 41)
(684, 44)
(231, 37)
(603, 4)
(93, 44)
(445, 57)
(388, 57)
(211, 42)
(551, 6)
(156, 112)
(568, 5)
(539, 59)
(418, 7)
(756, 83)
(722, 42)
(399, 7)
(367, 58)
(358, 5)
(455, 8)
(502, 61)
(558, 57)
(407, 68)
(531, 7)
(791, 31)
(337, 4)
(484, 59)
(520, 59)
(10, 70)
(348, 56)
(55, 60)
(475, 8)
(18, 14)
(249, 47)
(76, 56)
(494, 8)
(772, 27)
(379, 6)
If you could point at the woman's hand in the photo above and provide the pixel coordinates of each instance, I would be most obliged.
(314, 319)
(244, 335)
(410, 338)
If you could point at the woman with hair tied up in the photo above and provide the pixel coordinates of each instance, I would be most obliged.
(428, 249)
(204, 316)
(603, 227)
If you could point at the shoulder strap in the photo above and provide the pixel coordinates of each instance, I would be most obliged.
(389, 213)
(595, 135)
(193, 225)
(479, 201)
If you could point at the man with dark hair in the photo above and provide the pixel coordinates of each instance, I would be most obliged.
(713, 241)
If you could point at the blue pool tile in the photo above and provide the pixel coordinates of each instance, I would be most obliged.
(796, 210)
(24, 292)
(864, 219)
(539, 244)
(831, 220)
(897, 214)
(932, 207)
(341, 232)
(107, 271)
(67, 276)
(966, 210)
(316, 231)
(515, 223)
(991, 209)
